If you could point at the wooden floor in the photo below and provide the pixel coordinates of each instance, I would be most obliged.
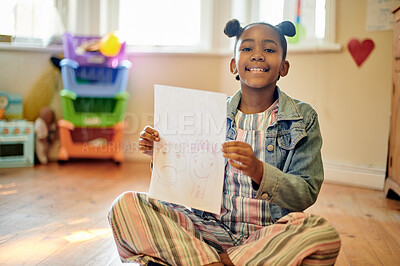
(56, 215)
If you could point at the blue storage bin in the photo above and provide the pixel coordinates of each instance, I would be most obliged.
(91, 81)
(93, 75)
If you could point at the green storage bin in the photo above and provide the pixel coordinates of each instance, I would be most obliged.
(93, 112)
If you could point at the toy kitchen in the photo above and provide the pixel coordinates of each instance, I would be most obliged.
(16, 135)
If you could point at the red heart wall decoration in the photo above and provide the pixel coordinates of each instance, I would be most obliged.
(360, 51)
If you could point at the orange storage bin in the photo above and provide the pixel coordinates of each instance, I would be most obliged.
(97, 143)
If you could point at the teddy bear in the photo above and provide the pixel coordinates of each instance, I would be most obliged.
(45, 132)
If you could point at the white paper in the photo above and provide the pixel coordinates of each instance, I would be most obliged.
(379, 14)
(188, 165)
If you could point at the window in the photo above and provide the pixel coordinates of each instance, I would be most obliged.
(167, 25)
(182, 24)
(30, 20)
(307, 15)
(151, 24)
(172, 23)
(313, 19)
(7, 18)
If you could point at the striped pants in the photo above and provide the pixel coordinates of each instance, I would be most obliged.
(146, 230)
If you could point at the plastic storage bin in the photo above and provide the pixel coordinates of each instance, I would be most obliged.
(90, 81)
(71, 50)
(97, 143)
(93, 112)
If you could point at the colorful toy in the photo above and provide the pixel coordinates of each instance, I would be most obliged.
(300, 29)
(110, 45)
(42, 91)
(86, 51)
(10, 106)
(16, 144)
(3, 105)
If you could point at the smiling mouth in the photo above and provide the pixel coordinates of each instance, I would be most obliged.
(256, 69)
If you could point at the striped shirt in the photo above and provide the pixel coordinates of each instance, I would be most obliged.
(241, 211)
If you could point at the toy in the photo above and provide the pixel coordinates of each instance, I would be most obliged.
(45, 129)
(42, 91)
(10, 106)
(110, 45)
(300, 29)
(16, 144)
(86, 51)
(3, 105)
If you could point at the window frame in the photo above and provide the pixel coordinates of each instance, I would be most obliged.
(102, 17)
(95, 17)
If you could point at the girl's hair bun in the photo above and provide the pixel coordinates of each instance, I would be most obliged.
(287, 28)
(232, 28)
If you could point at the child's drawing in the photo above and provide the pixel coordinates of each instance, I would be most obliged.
(202, 165)
(188, 166)
(171, 162)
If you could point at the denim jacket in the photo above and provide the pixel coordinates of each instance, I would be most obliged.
(293, 172)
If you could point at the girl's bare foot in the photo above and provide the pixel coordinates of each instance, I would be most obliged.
(225, 259)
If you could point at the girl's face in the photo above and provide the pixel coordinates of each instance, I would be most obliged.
(258, 58)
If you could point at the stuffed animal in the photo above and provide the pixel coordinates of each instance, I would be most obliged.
(42, 91)
(45, 131)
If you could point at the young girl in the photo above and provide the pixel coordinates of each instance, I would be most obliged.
(274, 172)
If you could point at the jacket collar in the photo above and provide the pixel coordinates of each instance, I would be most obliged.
(288, 109)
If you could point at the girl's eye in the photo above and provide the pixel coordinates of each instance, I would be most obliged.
(246, 49)
(269, 50)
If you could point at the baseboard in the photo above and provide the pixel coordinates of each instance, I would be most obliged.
(355, 175)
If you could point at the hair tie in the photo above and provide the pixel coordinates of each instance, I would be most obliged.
(232, 28)
(287, 28)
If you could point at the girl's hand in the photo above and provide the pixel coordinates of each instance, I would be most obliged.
(241, 156)
(146, 140)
